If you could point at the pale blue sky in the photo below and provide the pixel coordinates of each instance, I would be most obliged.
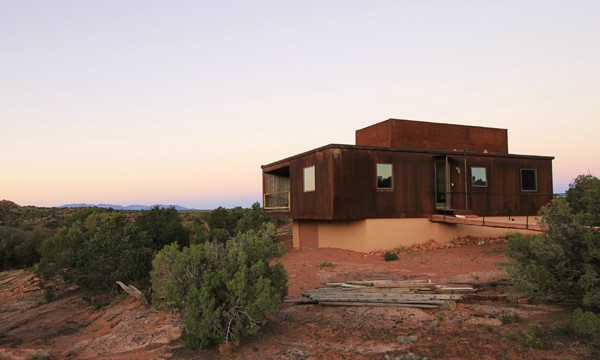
(180, 102)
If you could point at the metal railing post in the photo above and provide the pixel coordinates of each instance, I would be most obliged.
(528, 211)
(483, 208)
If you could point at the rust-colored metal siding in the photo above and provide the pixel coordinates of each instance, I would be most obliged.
(312, 204)
(356, 195)
(503, 195)
(345, 183)
(433, 136)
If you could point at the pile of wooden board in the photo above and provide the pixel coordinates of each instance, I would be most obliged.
(410, 293)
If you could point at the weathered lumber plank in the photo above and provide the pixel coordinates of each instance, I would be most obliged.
(386, 301)
(499, 282)
(408, 293)
(487, 296)
(300, 300)
(424, 306)
(412, 297)
(135, 293)
(415, 286)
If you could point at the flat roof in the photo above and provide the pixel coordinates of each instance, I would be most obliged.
(405, 150)
(432, 122)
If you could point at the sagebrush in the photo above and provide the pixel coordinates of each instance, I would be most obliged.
(223, 290)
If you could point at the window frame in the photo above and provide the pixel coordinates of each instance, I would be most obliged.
(309, 173)
(391, 187)
(484, 177)
(535, 180)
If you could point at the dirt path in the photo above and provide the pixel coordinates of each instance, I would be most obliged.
(71, 328)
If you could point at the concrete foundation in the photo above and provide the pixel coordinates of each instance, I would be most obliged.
(380, 234)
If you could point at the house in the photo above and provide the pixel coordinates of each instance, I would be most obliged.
(383, 191)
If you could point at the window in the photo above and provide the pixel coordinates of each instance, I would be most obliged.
(384, 176)
(478, 176)
(309, 178)
(528, 180)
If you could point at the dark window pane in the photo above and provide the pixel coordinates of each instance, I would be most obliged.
(528, 180)
(384, 176)
(478, 177)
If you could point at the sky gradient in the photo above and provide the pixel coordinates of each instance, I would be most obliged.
(180, 102)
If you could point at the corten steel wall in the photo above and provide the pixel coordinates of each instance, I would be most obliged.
(346, 183)
(356, 195)
(425, 135)
(312, 204)
(503, 195)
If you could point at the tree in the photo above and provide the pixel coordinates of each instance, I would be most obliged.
(59, 253)
(97, 252)
(253, 219)
(224, 291)
(563, 264)
(116, 251)
(583, 197)
(164, 226)
(18, 248)
(221, 218)
(225, 223)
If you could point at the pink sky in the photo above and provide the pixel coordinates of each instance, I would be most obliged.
(180, 103)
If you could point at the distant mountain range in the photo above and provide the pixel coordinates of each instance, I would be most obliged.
(129, 207)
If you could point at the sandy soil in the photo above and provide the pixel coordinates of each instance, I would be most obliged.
(71, 328)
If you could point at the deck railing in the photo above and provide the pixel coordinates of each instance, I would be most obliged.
(513, 204)
(277, 201)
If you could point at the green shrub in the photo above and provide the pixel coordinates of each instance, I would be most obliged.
(221, 218)
(587, 325)
(49, 294)
(583, 196)
(199, 234)
(225, 223)
(59, 253)
(40, 356)
(409, 356)
(563, 264)
(97, 252)
(509, 317)
(164, 227)
(219, 235)
(533, 337)
(225, 291)
(390, 256)
(253, 219)
(117, 251)
(326, 264)
(19, 248)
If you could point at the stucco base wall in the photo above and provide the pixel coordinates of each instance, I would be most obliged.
(380, 234)
(488, 231)
(375, 234)
(295, 234)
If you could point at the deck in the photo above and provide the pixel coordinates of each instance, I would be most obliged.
(522, 223)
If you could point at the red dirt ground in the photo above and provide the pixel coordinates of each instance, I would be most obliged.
(71, 328)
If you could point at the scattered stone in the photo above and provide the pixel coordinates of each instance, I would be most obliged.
(407, 339)
(409, 356)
